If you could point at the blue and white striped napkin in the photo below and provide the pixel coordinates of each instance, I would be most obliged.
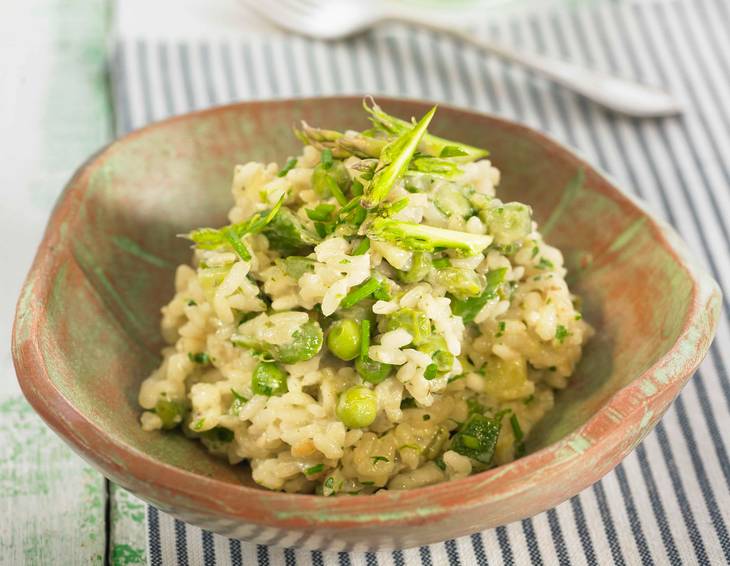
(669, 501)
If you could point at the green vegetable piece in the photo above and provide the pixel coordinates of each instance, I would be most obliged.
(199, 358)
(419, 237)
(467, 309)
(296, 266)
(314, 470)
(451, 199)
(377, 459)
(545, 263)
(372, 371)
(518, 436)
(477, 438)
(269, 379)
(453, 151)
(344, 339)
(431, 372)
(434, 166)
(509, 223)
(322, 212)
(561, 333)
(415, 322)
(393, 162)
(306, 343)
(430, 144)
(357, 407)
(199, 424)
(444, 360)
(171, 413)
(360, 293)
(219, 434)
(326, 158)
(238, 402)
(461, 283)
(362, 247)
(332, 180)
(288, 166)
(321, 139)
(420, 268)
(441, 262)
(211, 238)
(288, 236)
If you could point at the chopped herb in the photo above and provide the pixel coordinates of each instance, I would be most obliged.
(329, 483)
(192, 303)
(535, 251)
(578, 316)
(296, 266)
(516, 428)
(364, 338)
(545, 264)
(321, 229)
(441, 262)
(314, 470)
(440, 463)
(238, 402)
(431, 372)
(518, 436)
(322, 212)
(211, 238)
(367, 483)
(553, 368)
(377, 459)
(561, 333)
(455, 377)
(426, 417)
(475, 407)
(288, 166)
(411, 447)
(360, 293)
(199, 358)
(467, 309)
(356, 188)
(362, 247)
(197, 425)
(501, 326)
(221, 434)
(529, 400)
(408, 403)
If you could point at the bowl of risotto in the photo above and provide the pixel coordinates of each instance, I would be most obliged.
(337, 323)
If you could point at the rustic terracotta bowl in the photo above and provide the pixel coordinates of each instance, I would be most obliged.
(86, 331)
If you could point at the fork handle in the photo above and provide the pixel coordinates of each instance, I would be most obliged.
(620, 95)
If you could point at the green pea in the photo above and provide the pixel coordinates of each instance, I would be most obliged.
(269, 379)
(171, 413)
(343, 339)
(372, 371)
(357, 407)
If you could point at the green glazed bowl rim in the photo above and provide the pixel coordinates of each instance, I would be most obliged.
(638, 405)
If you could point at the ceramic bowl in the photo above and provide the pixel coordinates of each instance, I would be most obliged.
(87, 325)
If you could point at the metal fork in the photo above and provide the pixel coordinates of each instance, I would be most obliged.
(338, 19)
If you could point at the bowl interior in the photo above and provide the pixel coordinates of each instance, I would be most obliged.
(118, 252)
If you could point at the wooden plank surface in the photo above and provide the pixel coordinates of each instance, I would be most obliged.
(54, 111)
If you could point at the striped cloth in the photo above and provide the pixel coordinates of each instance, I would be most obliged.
(669, 501)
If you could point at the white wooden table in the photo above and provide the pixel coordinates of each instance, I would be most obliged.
(54, 111)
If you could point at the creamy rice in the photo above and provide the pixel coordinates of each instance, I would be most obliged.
(494, 363)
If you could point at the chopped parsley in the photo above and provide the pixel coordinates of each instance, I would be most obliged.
(377, 459)
(431, 372)
(288, 166)
(199, 358)
(561, 333)
(501, 326)
(197, 425)
(426, 417)
(545, 263)
(192, 303)
(535, 251)
(314, 470)
(238, 402)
